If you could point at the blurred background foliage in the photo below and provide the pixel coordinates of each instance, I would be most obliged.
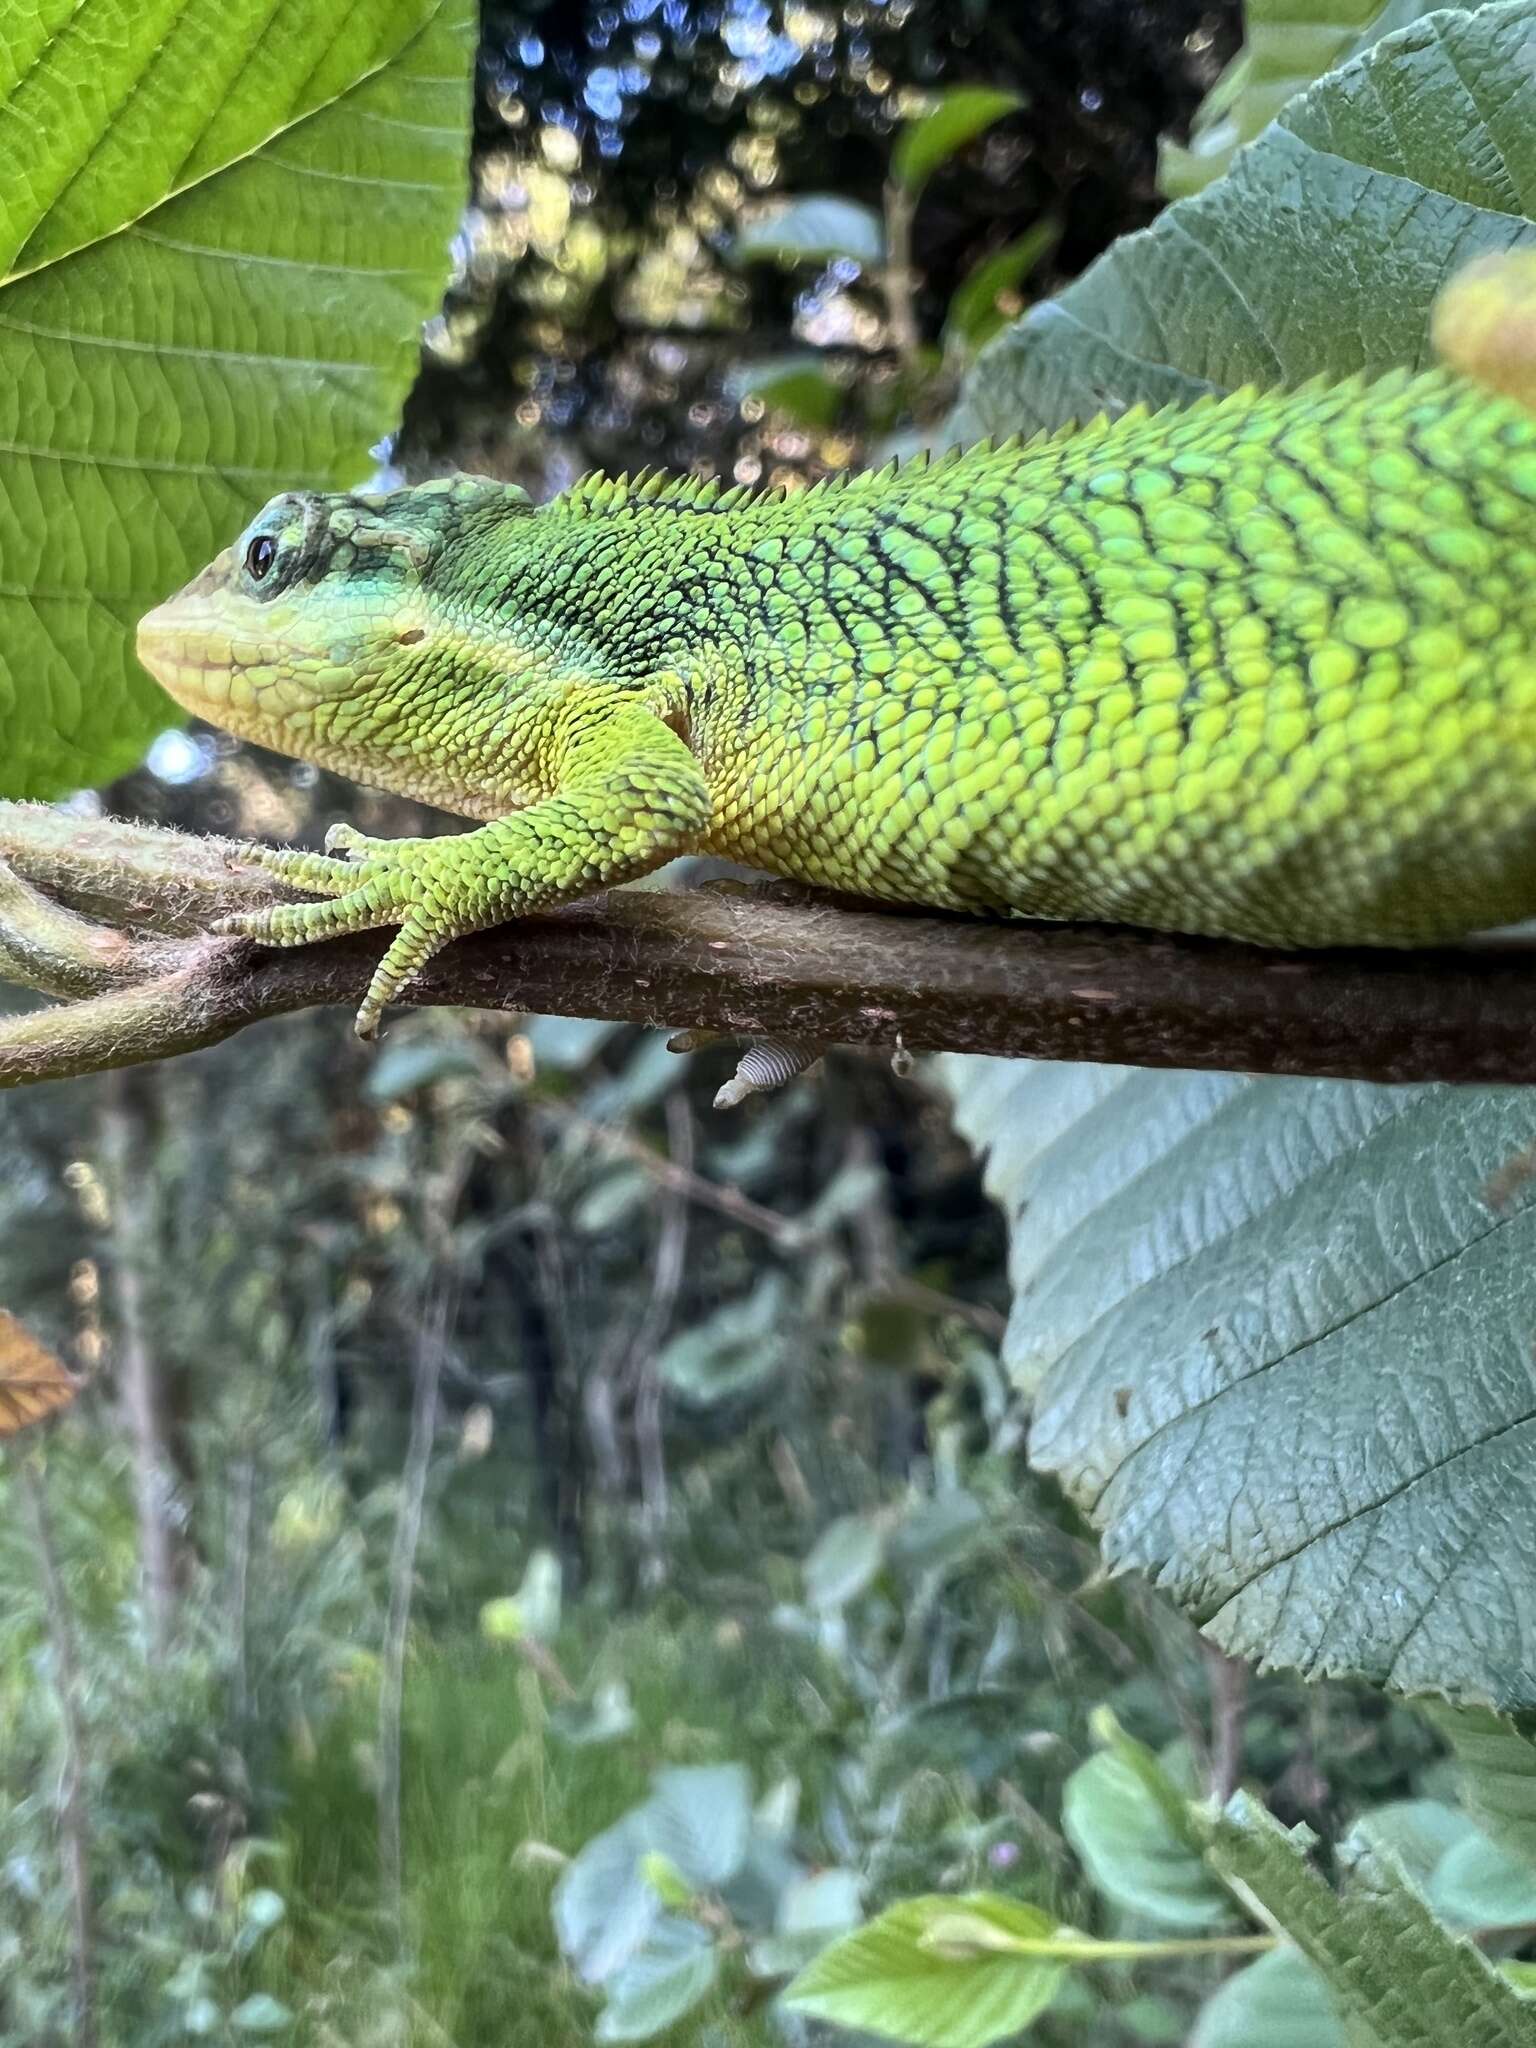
(474, 1430)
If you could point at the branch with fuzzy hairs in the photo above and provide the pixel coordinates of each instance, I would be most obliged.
(112, 920)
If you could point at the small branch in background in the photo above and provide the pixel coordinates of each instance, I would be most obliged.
(900, 279)
(542, 1662)
(626, 1370)
(427, 1364)
(74, 1813)
(241, 1516)
(130, 1182)
(1228, 1680)
(679, 1179)
(905, 1292)
(666, 1281)
(789, 1233)
(878, 1265)
(792, 1482)
(600, 1413)
(440, 1195)
(748, 961)
(922, 1608)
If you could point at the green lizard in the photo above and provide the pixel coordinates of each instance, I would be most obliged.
(1263, 668)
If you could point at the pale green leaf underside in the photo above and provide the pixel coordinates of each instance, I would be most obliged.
(108, 107)
(815, 228)
(1320, 251)
(1280, 1337)
(254, 334)
(661, 1982)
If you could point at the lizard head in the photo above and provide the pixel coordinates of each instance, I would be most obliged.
(339, 628)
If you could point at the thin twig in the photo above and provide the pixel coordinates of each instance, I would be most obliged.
(680, 1179)
(899, 277)
(74, 1814)
(427, 1361)
(906, 1292)
(666, 1281)
(540, 1659)
(789, 1233)
(241, 1516)
(1228, 1679)
(125, 1155)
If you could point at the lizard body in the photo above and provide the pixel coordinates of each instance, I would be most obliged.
(1263, 668)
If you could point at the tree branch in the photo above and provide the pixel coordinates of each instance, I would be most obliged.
(114, 916)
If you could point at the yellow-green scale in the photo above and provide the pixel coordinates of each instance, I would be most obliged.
(1264, 667)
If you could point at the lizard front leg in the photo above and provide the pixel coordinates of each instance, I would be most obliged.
(626, 794)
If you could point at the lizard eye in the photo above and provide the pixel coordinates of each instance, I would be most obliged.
(260, 556)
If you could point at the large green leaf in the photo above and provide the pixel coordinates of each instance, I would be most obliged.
(1280, 1337)
(167, 363)
(1467, 1881)
(1280, 1333)
(1479, 1887)
(604, 1907)
(700, 1816)
(1322, 248)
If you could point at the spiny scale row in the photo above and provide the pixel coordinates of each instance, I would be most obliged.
(602, 493)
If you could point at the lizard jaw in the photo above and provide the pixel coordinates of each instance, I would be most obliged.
(206, 672)
(212, 655)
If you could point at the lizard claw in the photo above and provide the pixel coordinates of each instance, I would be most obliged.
(347, 840)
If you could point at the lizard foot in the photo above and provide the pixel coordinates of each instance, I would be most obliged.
(404, 882)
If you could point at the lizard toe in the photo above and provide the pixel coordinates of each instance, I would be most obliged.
(317, 873)
(297, 924)
(409, 951)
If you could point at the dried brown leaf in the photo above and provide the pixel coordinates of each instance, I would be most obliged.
(33, 1383)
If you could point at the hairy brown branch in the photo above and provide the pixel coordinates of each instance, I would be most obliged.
(114, 916)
